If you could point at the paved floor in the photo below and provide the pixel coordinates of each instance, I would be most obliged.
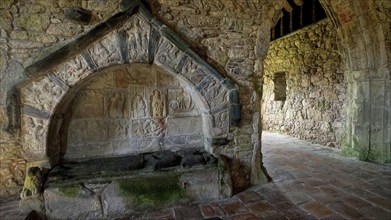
(309, 182)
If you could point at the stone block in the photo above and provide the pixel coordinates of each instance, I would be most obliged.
(88, 150)
(195, 141)
(377, 117)
(34, 133)
(71, 202)
(88, 104)
(150, 144)
(202, 186)
(105, 52)
(36, 22)
(135, 75)
(380, 153)
(362, 90)
(168, 55)
(125, 146)
(73, 71)
(114, 202)
(42, 94)
(181, 103)
(361, 140)
(184, 125)
(377, 135)
(87, 131)
(175, 143)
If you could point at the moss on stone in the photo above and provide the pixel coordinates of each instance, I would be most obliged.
(70, 191)
(152, 191)
(379, 156)
(38, 22)
(349, 152)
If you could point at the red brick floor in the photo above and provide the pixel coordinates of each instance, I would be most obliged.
(309, 182)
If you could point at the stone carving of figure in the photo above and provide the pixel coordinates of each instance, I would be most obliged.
(138, 106)
(118, 106)
(157, 104)
(182, 102)
(32, 184)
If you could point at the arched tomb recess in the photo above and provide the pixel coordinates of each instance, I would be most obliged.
(124, 39)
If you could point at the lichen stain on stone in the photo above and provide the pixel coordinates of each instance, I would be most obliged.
(148, 192)
(70, 191)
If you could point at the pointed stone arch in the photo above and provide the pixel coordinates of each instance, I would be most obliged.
(134, 36)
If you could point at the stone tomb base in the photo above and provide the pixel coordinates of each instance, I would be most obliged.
(113, 187)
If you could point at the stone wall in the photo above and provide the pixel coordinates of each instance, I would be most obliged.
(224, 32)
(26, 29)
(316, 90)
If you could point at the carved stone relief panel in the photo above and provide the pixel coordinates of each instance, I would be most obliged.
(137, 74)
(119, 129)
(34, 133)
(101, 82)
(165, 80)
(180, 102)
(168, 54)
(73, 71)
(105, 52)
(138, 102)
(92, 101)
(215, 93)
(137, 34)
(221, 121)
(83, 131)
(117, 104)
(144, 109)
(193, 72)
(157, 102)
(43, 94)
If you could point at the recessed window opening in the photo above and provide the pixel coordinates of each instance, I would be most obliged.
(279, 91)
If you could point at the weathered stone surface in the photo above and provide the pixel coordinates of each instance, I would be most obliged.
(105, 52)
(34, 133)
(61, 202)
(42, 94)
(77, 14)
(137, 36)
(73, 71)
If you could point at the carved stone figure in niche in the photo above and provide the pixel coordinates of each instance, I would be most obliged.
(33, 182)
(157, 104)
(138, 41)
(118, 105)
(182, 102)
(138, 106)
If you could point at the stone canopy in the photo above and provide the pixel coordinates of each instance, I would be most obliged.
(133, 36)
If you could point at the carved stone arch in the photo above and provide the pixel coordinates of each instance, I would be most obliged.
(131, 37)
